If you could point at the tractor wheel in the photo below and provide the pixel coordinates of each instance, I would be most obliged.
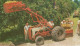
(58, 33)
(39, 40)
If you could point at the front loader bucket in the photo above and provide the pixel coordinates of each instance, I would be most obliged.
(13, 6)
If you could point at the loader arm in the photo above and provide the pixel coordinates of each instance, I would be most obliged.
(34, 15)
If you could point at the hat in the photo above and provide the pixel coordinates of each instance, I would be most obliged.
(51, 19)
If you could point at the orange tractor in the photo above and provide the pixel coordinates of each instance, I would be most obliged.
(39, 31)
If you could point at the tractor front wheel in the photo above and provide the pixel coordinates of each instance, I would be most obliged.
(39, 40)
(58, 33)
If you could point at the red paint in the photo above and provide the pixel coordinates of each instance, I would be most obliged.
(13, 7)
(30, 33)
(69, 31)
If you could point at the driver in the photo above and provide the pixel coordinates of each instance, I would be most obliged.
(50, 24)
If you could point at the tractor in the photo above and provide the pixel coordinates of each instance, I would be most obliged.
(39, 31)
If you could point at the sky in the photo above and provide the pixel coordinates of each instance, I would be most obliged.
(73, 0)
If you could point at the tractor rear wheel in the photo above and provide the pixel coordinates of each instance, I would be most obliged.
(58, 33)
(39, 40)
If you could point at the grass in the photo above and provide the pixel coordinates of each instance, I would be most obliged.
(75, 21)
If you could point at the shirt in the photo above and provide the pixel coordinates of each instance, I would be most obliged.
(52, 24)
(26, 27)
